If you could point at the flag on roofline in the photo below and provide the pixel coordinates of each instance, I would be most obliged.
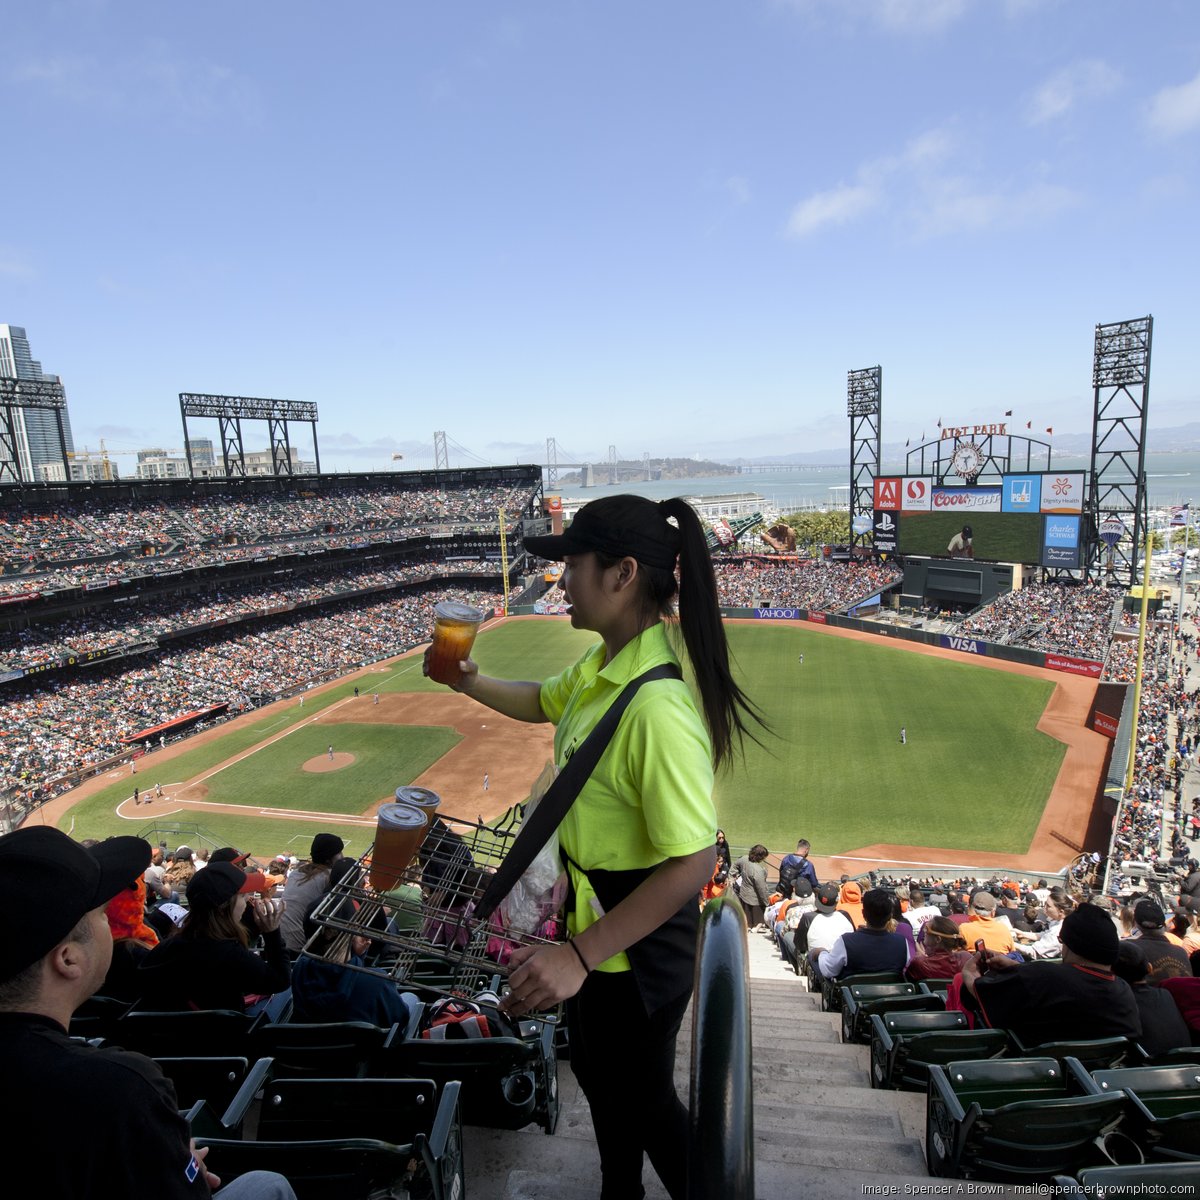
(1028, 424)
(1179, 514)
(1049, 428)
(1008, 412)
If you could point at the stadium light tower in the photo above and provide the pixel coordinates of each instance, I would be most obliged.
(864, 401)
(1121, 379)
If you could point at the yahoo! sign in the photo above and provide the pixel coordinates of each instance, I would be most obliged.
(965, 645)
(967, 499)
(777, 614)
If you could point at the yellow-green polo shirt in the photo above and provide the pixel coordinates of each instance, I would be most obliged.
(650, 796)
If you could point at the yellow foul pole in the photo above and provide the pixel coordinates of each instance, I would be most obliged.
(1137, 678)
(504, 560)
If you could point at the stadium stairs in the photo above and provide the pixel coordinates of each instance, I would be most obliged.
(820, 1130)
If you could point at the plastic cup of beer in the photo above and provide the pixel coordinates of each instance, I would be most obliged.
(454, 628)
(422, 798)
(399, 829)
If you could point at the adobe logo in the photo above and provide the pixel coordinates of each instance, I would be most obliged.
(887, 494)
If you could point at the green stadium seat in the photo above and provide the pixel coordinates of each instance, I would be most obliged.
(1164, 1113)
(205, 1033)
(329, 1050)
(347, 1139)
(1096, 1054)
(862, 1001)
(1181, 1056)
(1016, 1120)
(215, 1080)
(506, 1082)
(97, 1017)
(904, 1045)
(936, 987)
(831, 989)
(1095, 1183)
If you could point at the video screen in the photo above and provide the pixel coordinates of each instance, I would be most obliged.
(997, 536)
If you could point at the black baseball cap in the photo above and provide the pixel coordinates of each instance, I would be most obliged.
(219, 882)
(229, 854)
(617, 525)
(325, 848)
(49, 883)
(827, 897)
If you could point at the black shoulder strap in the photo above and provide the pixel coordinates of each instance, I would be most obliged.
(560, 795)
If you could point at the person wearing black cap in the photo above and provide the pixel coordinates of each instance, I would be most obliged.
(639, 837)
(962, 544)
(1166, 959)
(1077, 999)
(306, 885)
(209, 964)
(1163, 1026)
(77, 1122)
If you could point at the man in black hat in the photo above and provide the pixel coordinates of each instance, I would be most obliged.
(1077, 999)
(1166, 959)
(83, 1122)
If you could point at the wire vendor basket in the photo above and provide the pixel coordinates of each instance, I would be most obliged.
(425, 937)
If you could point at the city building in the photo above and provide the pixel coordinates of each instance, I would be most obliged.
(36, 430)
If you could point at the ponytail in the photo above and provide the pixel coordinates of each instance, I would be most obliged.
(726, 706)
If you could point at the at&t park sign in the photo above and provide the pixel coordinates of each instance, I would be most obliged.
(962, 431)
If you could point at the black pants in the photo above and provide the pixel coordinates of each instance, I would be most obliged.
(625, 1063)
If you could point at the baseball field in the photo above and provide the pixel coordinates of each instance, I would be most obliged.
(987, 747)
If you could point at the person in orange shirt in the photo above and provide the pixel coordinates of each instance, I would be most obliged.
(850, 902)
(983, 925)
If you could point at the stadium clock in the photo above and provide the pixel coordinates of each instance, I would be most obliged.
(967, 460)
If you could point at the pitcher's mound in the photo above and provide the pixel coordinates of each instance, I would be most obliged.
(323, 763)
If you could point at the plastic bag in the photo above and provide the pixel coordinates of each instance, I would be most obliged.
(541, 890)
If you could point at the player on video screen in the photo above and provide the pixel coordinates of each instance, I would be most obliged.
(962, 544)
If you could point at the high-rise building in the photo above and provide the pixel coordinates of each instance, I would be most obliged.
(36, 429)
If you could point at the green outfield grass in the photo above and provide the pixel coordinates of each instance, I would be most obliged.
(975, 772)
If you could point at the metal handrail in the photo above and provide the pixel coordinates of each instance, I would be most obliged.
(721, 1126)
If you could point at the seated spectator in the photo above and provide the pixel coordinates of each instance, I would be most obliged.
(155, 878)
(945, 952)
(307, 884)
(827, 927)
(1077, 999)
(983, 925)
(210, 965)
(132, 940)
(1163, 1026)
(872, 948)
(920, 911)
(179, 871)
(850, 901)
(1166, 960)
(1046, 943)
(126, 1135)
(790, 915)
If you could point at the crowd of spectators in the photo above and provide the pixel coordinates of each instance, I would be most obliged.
(809, 583)
(1167, 727)
(40, 549)
(145, 619)
(1075, 619)
(59, 723)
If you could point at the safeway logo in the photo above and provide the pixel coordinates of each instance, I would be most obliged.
(917, 495)
(887, 494)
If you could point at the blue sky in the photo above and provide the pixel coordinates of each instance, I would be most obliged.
(670, 227)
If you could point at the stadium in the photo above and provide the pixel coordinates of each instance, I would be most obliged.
(957, 695)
